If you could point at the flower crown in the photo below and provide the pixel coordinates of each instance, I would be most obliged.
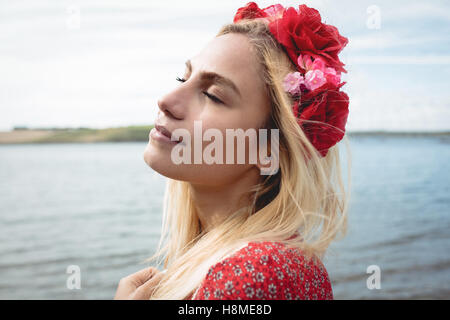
(313, 47)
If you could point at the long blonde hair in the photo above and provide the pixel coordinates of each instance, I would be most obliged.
(306, 195)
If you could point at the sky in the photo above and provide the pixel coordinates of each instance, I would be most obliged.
(105, 63)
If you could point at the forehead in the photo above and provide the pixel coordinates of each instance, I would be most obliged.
(231, 56)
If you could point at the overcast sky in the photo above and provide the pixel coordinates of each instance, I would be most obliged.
(105, 63)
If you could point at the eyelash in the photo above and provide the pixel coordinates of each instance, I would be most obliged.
(210, 96)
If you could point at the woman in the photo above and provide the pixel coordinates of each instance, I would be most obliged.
(231, 231)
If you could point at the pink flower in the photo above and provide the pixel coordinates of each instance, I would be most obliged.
(305, 62)
(329, 74)
(318, 64)
(314, 79)
(292, 82)
(332, 76)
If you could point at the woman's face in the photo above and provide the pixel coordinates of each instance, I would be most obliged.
(239, 101)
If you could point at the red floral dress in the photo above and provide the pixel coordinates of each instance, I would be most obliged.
(265, 271)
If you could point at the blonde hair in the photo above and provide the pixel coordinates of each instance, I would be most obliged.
(306, 195)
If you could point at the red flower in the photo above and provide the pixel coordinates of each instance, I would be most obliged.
(250, 11)
(302, 32)
(329, 107)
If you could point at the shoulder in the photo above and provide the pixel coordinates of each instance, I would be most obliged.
(266, 270)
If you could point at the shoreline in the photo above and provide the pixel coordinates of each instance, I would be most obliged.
(75, 135)
(140, 134)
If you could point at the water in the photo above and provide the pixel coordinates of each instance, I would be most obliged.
(98, 206)
(399, 221)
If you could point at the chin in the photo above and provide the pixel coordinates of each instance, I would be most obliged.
(159, 160)
(154, 158)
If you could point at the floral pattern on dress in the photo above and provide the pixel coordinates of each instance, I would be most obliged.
(266, 271)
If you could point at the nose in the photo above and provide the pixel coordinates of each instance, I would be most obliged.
(171, 105)
(163, 107)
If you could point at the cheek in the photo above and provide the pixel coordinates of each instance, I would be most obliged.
(237, 124)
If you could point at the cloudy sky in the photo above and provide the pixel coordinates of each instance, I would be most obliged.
(102, 63)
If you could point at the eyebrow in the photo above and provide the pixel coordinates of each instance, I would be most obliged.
(215, 77)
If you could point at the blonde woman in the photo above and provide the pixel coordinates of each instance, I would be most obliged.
(231, 231)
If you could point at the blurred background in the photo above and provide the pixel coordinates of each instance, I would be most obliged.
(79, 84)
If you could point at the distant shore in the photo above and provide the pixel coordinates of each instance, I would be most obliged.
(140, 133)
(69, 135)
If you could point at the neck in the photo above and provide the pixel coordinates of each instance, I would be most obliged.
(215, 203)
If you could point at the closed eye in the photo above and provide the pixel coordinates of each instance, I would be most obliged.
(210, 96)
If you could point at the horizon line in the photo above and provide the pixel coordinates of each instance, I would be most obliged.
(411, 131)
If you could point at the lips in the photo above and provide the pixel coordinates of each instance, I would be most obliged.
(163, 130)
(166, 132)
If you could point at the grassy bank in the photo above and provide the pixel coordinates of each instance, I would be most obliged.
(120, 134)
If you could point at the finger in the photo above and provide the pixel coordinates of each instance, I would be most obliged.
(142, 276)
(146, 289)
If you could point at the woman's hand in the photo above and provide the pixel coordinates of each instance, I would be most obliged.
(139, 285)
